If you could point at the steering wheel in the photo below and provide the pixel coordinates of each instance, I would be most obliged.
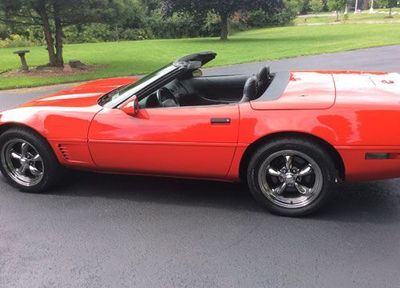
(166, 98)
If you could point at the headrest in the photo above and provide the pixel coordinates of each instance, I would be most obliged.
(250, 90)
(263, 74)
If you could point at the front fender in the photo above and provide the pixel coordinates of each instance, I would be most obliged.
(64, 129)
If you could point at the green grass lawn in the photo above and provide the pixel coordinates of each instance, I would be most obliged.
(140, 57)
(379, 15)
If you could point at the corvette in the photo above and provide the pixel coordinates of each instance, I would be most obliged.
(290, 136)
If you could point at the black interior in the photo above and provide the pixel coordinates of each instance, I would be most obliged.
(263, 79)
(250, 90)
(192, 90)
(208, 90)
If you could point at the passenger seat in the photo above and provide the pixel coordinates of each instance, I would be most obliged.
(249, 90)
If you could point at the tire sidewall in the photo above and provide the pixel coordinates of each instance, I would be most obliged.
(313, 151)
(50, 162)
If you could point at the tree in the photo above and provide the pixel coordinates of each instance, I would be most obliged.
(53, 16)
(3, 29)
(300, 6)
(337, 6)
(390, 4)
(224, 8)
(316, 5)
(150, 5)
(127, 14)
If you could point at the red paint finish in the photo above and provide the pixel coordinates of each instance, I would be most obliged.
(81, 96)
(64, 118)
(173, 141)
(353, 112)
(306, 90)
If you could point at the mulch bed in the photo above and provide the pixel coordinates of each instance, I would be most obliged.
(45, 71)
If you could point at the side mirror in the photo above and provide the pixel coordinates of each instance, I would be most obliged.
(132, 106)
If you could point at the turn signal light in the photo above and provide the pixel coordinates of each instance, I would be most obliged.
(381, 156)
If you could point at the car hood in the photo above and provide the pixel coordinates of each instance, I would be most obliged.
(84, 95)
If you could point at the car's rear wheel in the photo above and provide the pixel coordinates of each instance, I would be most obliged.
(27, 161)
(291, 177)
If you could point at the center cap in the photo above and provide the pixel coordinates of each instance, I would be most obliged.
(24, 161)
(289, 178)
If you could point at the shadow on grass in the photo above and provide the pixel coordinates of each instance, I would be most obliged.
(294, 39)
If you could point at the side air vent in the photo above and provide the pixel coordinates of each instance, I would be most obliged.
(64, 151)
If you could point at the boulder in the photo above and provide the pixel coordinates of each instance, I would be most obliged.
(76, 64)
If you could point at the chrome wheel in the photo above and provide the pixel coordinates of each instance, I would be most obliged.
(290, 179)
(22, 162)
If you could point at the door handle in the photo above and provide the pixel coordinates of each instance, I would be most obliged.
(225, 121)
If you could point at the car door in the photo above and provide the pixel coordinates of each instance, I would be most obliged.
(196, 141)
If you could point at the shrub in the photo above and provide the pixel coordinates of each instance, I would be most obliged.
(211, 26)
(135, 34)
(15, 40)
(299, 6)
(3, 32)
(261, 18)
(89, 33)
(316, 5)
(179, 25)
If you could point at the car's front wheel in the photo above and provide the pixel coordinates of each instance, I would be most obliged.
(27, 161)
(291, 177)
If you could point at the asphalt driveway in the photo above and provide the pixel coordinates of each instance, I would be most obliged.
(125, 231)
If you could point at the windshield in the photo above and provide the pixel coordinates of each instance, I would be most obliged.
(133, 89)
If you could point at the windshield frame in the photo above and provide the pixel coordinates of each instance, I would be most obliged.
(140, 87)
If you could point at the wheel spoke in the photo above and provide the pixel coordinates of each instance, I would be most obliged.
(279, 190)
(24, 148)
(21, 170)
(302, 189)
(37, 158)
(288, 162)
(34, 171)
(273, 172)
(15, 155)
(305, 171)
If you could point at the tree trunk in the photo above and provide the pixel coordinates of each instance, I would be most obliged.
(390, 12)
(41, 10)
(59, 37)
(224, 26)
(337, 15)
(59, 46)
(116, 33)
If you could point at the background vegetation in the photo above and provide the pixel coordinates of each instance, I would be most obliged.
(139, 36)
(140, 57)
(147, 19)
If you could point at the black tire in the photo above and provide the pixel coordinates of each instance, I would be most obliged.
(317, 155)
(52, 170)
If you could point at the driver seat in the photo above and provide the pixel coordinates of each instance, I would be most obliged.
(249, 90)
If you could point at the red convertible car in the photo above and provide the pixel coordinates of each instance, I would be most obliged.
(289, 135)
